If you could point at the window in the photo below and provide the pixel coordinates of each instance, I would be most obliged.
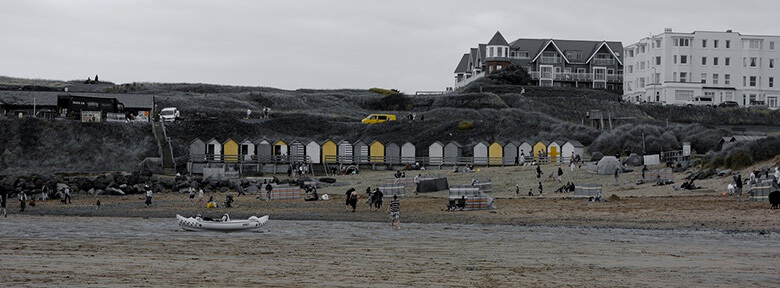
(727, 79)
(683, 59)
(772, 63)
(714, 79)
(524, 55)
(582, 70)
(751, 44)
(703, 78)
(610, 71)
(728, 44)
(498, 67)
(642, 48)
(675, 59)
(683, 77)
(714, 61)
(744, 81)
(567, 70)
(771, 82)
(728, 61)
(729, 96)
(630, 69)
(492, 52)
(752, 81)
(703, 61)
(753, 61)
(714, 43)
(630, 52)
(657, 43)
(574, 55)
(771, 45)
(642, 82)
(703, 43)
(657, 60)
(683, 95)
(682, 42)
(642, 65)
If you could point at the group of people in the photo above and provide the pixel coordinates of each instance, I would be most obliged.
(375, 200)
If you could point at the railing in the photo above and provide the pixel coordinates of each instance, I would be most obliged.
(466, 81)
(252, 159)
(549, 60)
(599, 62)
(614, 78)
(170, 146)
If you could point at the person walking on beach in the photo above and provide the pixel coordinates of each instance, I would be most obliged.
(353, 199)
(417, 183)
(67, 199)
(3, 199)
(394, 209)
(617, 171)
(97, 204)
(560, 174)
(192, 194)
(540, 189)
(22, 201)
(268, 189)
(148, 196)
(200, 195)
(738, 190)
(347, 197)
(378, 195)
(539, 174)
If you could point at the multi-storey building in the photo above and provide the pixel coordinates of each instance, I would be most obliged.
(674, 68)
(550, 62)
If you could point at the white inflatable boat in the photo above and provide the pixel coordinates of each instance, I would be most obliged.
(224, 224)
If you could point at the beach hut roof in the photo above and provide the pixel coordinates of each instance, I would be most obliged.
(516, 143)
(228, 140)
(455, 143)
(280, 140)
(343, 141)
(326, 141)
(359, 141)
(375, 141)
(391, 143)
(545, 143)
(502, 143)
(576, 143)
(213, 140)
(247, 140)
(437, 142)
(483, 143)
(261, 140)
(195, 140)
(318, 143)
(559, 142)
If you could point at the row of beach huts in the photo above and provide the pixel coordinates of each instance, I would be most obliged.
(376, 152)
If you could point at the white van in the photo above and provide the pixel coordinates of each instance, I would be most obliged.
(700, 101)
(169, 114)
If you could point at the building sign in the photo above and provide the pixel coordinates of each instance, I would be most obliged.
(91, 116)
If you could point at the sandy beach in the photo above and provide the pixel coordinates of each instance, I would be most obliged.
(76, 251)
(651, 237)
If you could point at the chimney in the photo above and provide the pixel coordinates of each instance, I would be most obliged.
(728, 31)
(667, 29)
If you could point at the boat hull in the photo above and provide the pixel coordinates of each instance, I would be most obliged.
(192, 224)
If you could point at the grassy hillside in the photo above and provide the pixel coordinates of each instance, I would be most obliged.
(497, 113)
(39, 146)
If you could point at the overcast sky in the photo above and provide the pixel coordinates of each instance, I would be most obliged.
(408, 45)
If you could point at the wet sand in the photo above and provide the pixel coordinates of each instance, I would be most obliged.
(112, 252)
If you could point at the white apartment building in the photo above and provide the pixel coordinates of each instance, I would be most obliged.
(673, 68)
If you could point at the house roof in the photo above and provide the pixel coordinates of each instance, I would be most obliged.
(737, 138)
(482, 50)
(588, 48)
(498, 39)
(463, 65)
(145, 101)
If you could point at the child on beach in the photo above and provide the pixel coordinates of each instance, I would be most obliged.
(394, 209)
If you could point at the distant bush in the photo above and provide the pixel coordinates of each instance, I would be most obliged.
(511, 75)
(657, 138)
(394, 102)
(743, 154)
(384, 92)
(471, 101)
(465, 125)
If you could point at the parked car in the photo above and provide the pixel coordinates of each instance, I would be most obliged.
(728, 104)
(700, 101)
(378, 118)
(169, 114)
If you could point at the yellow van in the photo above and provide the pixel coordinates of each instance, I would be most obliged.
(378, 118)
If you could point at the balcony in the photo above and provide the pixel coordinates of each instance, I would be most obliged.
(549, 60)
(563, 76)
(602, 62)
